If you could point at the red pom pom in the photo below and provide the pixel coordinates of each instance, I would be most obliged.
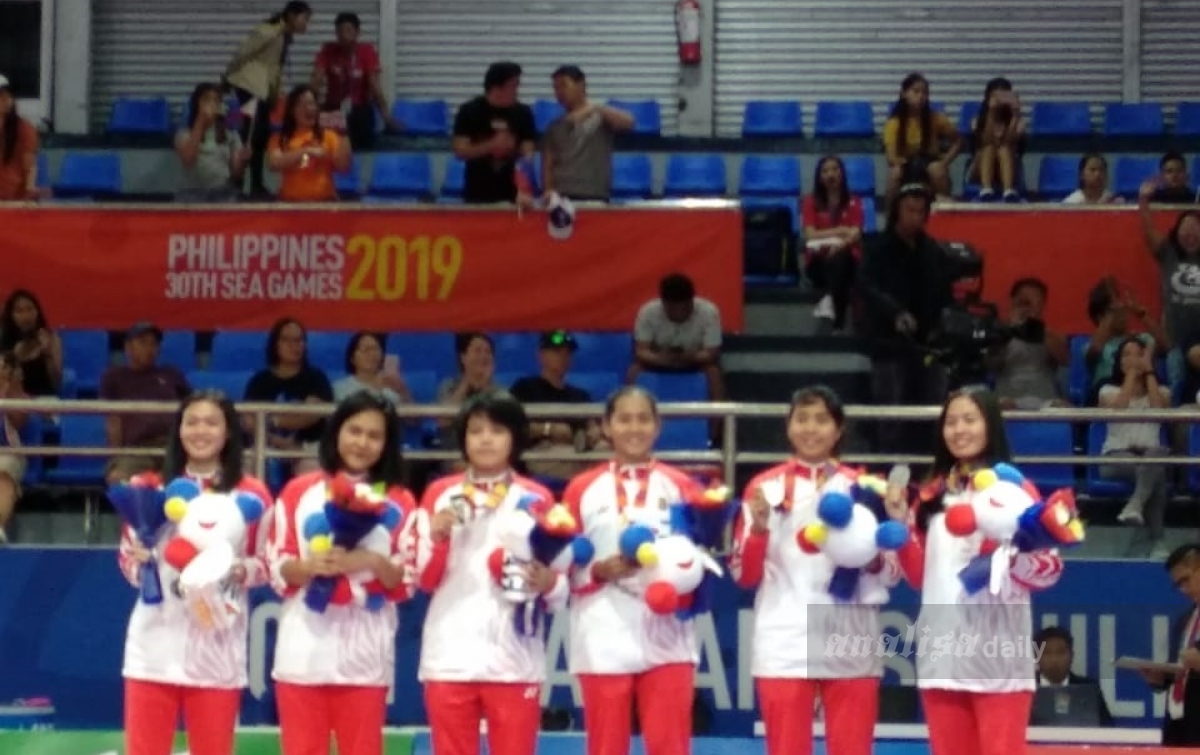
(341, 489)
(341, 593)
(495, 564)
(662, 597)
(960, 520)
(805, 544)
(179, 552)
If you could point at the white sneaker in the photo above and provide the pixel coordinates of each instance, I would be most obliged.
(1131, 514)
(3, 537)
(824, 308)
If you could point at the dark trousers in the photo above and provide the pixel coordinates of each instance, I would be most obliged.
(833, 273)
(905, 380)
(257, 141)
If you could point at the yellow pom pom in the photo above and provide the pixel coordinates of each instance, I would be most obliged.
(646, 555)
(816, 534)
(984, 478)
(175, 508)
(320, 544)
(718, 494)
(560, 516)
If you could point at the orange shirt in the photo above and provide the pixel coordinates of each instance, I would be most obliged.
(14, 173)
(313, 182)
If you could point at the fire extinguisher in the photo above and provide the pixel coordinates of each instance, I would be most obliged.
(687, 31)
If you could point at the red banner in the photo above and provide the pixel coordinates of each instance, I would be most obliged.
(375, 269)
(1070, 249)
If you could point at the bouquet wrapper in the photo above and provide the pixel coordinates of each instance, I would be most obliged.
(348, 528)
(143, 509)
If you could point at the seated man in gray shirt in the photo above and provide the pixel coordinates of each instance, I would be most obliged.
(577, 147)
(679, 332)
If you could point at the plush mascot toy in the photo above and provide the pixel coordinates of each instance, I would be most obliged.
(852, 529)
(676, 566)
(355, 515)
(1013, 518)
(141, 504)
(210, 529)
(535, 530)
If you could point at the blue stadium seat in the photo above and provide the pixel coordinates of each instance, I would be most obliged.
(1058, 176)
(237, 350)
(778, 118)
(230, 382)
(404, 176)
(966, 114)
(131, 115)
(647, 115)
(326, 349)
(1131, 172)
(86, 353)
(770, 176)
(349, 184)
(1133, 119)
(422, 117)
(517, 353)
(433, 352)
(33, 433)
(43, 170)
(599, 385)
(695, 176)
(632, 176)
(860, 175)
(178, 349)
(77, 431)
(681, 433)
(844, 119)
(1187, 119)
(1079, 379)
(88, 174)
(453, 181)
(423, 385)
(546, 112)
(1044, 439)
(1061, 119)
(603, 352)
(1193, 475)
(1095, 485)
(870, 215)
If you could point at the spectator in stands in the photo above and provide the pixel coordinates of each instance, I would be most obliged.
(140, 379)
(555, 350)
(999, 134)
(18, 150)
(256, 75)
(920, 144)
(1054, 666)
(306, 154)
(368, 370)
(12, 466)
(1093, 182)
(833, 223)
(476, 373)
(679, 332)
(1134, 386)
(290, 379)
(37, 348)
(1026, 368)
(905, 288)
(1178, 256)
(212, 155)
(491, 132)
(577, 147)
(1109, 309)
(1171, 186)
(348, 72)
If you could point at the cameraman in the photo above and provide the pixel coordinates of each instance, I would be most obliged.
(905, 288)
(1026, 367)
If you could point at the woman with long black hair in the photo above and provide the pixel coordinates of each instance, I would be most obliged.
(212, 155)
(305, 153)
(18, 149)
(919, 142)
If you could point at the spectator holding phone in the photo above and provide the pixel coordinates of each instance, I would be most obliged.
(1111, 309)
(212, 155)
(367, 369)
(1026, 367)
(998, 133)
(305, 153)
(491, 133)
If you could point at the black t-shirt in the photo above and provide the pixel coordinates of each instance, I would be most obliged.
(538, 390)
(490, 179)
(266, 386)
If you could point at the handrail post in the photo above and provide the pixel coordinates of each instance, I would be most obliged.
(729, 448)
(260, 445)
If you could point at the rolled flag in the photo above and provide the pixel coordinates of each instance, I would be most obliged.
(525, 177)
(703, 516)
(143, 510)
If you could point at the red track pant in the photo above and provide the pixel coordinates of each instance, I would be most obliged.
(513, 712)
(976, 723)
(851, 708)
(664, 697)
(309, 713)
(152, 713)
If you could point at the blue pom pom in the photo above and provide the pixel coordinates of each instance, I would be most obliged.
(527, 502)
(835, 509)
(375, 602)
(891, 535)
(391, 517)
(251, 506)
(182, 487)
(634, 537)
(1009, 473)
(582, 551)
(316, 524)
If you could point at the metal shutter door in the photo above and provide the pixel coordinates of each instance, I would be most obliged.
(1170, 68)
